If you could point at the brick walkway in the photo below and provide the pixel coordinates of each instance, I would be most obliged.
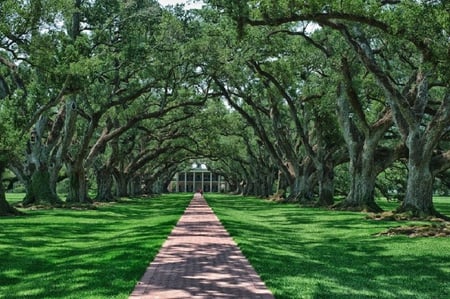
(200, 260)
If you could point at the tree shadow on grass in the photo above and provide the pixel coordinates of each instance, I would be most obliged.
(83, 254)
(310, 253)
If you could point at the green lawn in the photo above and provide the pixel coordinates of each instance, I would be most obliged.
(314, 253)
(299, 252)
(100, 253)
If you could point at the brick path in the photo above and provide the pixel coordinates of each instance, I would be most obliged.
(200, 260)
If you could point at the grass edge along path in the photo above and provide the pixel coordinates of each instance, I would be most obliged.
(101, 253)
(315, 253)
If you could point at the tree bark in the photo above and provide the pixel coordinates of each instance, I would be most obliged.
(134, 186)
(419, 188)
(121, 184)
(421, 132)
(419, 191)
(39, 190)
(77, 192)
(104, 184)
(300, 189)
(361, 140)
(326, 186)
(5, 207)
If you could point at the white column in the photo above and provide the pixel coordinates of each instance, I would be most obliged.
(202, 181)
(210, 182)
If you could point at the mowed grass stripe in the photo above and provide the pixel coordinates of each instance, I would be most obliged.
(101, 253)
(315, 253)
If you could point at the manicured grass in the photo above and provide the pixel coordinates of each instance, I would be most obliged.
(14, 198)
(314, 253)
(100, 253)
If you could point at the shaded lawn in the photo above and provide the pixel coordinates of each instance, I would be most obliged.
(314, 253)
(101, 253)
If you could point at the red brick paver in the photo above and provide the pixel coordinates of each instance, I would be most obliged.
(200, 260)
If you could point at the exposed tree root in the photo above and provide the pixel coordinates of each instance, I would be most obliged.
(431, 230)
(354, 207)
(406, 216)
(438, 226)
(419, 214)
(70, 206)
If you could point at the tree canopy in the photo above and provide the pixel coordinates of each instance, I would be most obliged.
(297, 100)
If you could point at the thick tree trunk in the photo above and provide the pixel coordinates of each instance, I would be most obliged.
(419, 190)
(134, 186)
(39, 191)
(263, 190)
(77, 192)
(247, 188)
(326, 186)
(121, 184)
(300, 190)
(421, 130)
(362, 181)
(5, 208)
(156, 187)
(40, 184)
(104, 185)
(256, 187)
(361, 145)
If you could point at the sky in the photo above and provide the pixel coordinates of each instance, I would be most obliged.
(188, 3)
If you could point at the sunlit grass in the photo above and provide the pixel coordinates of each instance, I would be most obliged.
(102, 253)
(299, 252)
(315, 253)
(14, 198)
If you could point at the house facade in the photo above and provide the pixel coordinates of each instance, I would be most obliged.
(198, 178)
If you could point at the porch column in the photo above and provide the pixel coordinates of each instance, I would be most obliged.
(210, 182)
(202, 181)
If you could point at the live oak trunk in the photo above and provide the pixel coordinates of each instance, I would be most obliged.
(419, 188)
(361, 145)
(247, 188)
(104, 185)
(300, 189)
(362, 180)
(267, 188)
(259, 186)
(326, 186)
(40, 190)
(77, 192)
(420, 130)
(134, 186)
(121, 184)
(5, 208)
(40, 164)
